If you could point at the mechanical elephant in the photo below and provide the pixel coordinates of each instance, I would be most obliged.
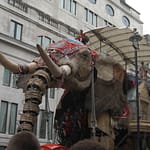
(67, 64)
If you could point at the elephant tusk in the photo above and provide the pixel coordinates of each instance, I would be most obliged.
(56, 70)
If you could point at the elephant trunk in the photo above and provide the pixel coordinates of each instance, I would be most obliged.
(8, 65)
(17, 68)
(56, 70)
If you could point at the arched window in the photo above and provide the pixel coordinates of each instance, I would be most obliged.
(92, 1)
(126, 21)
(109, 10)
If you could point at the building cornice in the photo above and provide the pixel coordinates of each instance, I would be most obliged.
(124, 2)
(126, 12)
(38, 22)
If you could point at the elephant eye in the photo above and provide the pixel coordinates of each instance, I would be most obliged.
(52, 50)
(85, 54)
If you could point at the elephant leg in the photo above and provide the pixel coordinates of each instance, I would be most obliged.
(36, 87)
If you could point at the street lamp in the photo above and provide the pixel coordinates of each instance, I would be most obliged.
(135, 38)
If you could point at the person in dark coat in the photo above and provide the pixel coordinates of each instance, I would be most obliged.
(24, 141)
(87, 144)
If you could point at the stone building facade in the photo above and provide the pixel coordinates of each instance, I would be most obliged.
(24, 23)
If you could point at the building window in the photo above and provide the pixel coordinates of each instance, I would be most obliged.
(3, 116)
(126, 21)
(46, 117)
(6, 77)
(92, 1)
(13, 117)
(3, 147)
(43, 119)
(109, 10)
(73, 8)
(15, 78)
(69, 5)
(90, 17)
(62, 4)
(50, 125)
(44, 41)
(16, 30)
(52, 92)
(9, 78)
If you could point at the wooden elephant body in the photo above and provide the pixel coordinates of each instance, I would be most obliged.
(69, 64)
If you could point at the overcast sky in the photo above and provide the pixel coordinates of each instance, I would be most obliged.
(143, 7)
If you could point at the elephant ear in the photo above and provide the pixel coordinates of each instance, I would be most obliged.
(108, 86)
(104, 66)
(108, 69)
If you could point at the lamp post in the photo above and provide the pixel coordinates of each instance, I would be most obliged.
(135, 38)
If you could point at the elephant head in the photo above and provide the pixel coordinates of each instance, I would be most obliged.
(71, 60)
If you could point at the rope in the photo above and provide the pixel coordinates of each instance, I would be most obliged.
(93, 113)
(47, 109)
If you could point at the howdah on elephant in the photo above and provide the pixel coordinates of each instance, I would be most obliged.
(68, 64)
